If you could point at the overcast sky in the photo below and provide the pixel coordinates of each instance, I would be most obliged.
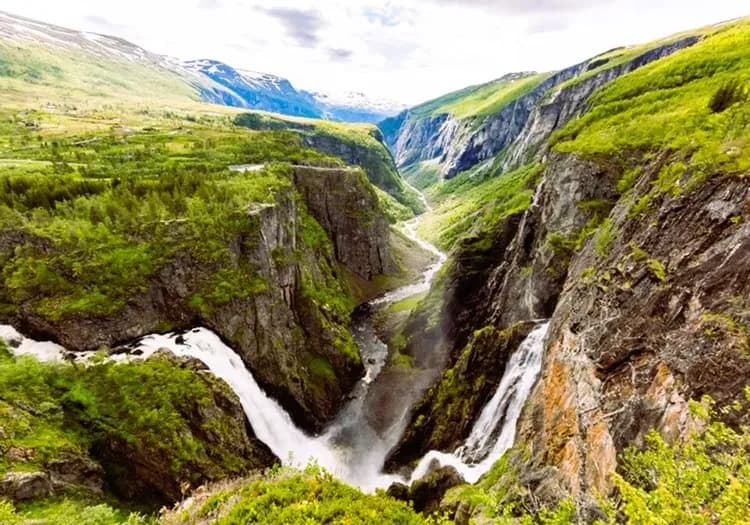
(408, 51)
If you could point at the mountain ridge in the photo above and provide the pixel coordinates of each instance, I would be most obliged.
(215, 81)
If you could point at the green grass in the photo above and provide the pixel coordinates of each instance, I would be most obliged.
(55, 409)
(464, 204)
(480, 100)
(32, 73)
(622, 55)
(423, 174)
(665, 106)
(490, 98)
(407, 305)
(68, 511)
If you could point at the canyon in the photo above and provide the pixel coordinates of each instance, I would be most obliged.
(478, 309)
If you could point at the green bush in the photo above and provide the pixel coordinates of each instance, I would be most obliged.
(705, 480)
(304, 498)
(730, 92)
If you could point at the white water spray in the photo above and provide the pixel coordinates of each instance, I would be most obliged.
(350, 449)
(494, 431)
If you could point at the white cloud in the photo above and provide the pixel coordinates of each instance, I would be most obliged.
(409, 50)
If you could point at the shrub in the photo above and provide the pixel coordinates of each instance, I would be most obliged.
(729, 93)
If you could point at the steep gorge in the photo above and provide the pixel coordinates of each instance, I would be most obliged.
(636, 254)
(596, 284)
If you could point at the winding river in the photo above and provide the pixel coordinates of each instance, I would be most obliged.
(351, 448)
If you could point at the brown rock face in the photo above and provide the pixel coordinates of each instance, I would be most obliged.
(640, 325)
(662, 318)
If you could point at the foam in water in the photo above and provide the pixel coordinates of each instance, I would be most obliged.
(20, 345)
(494, 431)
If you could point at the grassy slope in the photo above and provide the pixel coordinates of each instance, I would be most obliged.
(465, 205)
(621, 55)
(36, 74)
(481, 100)
(665, 106)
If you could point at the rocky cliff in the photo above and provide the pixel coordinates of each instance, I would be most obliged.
(293, 296)
(637, 251)
(519, 128)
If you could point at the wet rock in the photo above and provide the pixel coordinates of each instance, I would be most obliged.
(398, 491)
(427, 493)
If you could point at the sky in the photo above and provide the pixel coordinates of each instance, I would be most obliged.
(407, 51)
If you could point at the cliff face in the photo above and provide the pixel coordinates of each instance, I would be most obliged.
(636, 251)
(291, 327)
(658, 319)
(346, 207)
(641, 324)
(519, 129)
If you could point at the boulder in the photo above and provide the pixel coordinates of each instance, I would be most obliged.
(19, 486)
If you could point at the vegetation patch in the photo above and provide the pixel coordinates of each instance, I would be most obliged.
(667, 106)
(468, 205)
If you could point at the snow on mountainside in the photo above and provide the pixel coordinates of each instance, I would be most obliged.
(339, 105)
(273, 93)
(23, 31)
(257, 90)
(17, 32)
(211, 80)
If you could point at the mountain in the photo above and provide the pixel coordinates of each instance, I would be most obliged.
(275, 94)
(257, 90)
(471, 127)
(355, 107)
(39, 58)
(30, 50)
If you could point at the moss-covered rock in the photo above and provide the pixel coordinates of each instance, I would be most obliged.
(143, 431)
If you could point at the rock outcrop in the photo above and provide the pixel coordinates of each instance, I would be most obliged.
(347, 208)
(297, 279)
(660, 319)
(518, 130)
(20, 486)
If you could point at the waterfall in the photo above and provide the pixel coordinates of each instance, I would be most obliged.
(270, 422)
(350, 449)
(358, 460)
(495, 429)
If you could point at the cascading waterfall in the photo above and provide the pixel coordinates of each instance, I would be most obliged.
(270, 422)
(350, 449)
(494, 431)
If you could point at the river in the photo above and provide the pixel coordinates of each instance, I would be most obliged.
(351, 448)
